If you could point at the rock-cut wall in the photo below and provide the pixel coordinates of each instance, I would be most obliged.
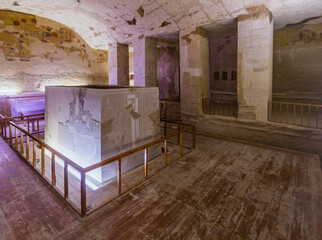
(297, 71)
(35, 52)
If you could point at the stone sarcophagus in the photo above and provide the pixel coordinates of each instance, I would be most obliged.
(89, 124)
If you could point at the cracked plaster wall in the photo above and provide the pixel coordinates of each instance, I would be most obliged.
(35, 52)
(101, 22)
(297, 72)
(168, 73)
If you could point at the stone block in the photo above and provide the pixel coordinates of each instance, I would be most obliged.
(91, 124)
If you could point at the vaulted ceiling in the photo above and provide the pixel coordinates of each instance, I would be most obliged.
(100, 22)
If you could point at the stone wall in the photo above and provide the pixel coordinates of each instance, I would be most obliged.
(35, 52)
(168, 73)
(223, 65)
(273, 134)
(297, 70)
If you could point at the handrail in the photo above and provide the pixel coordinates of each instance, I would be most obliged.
(170, 110)
(56, 153)
(137, 149)
(5, 119)
(277, 113)
(299, 104)
(221, 107)
(67, 162)
(22, 116)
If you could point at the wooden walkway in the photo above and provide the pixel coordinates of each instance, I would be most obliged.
(222, 190)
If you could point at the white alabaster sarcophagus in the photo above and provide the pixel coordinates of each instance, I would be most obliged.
(89, 124)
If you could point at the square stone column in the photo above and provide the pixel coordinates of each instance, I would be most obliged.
(255, 63)
(118, 60)
(194, 72)
(145, 62)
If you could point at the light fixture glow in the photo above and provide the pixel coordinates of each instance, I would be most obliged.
(73, 171)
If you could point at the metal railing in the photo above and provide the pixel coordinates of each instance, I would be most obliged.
(170, 111)
(306, 115)
(20, 140)
(221, 107)
(32, 122)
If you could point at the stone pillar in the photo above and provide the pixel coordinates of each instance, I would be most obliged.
(194, 72)
(118, 62)
(255, 63)
(145, 62)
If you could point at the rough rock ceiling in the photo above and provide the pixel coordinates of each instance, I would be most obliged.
(101, 21)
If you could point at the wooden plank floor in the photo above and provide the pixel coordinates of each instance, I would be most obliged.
(222, 190)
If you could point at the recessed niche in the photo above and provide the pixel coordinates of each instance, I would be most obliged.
(233, 75)
(217, 76)
(224, 75)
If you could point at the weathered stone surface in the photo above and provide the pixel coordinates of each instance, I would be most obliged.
(125, 21)
(90, 124)
(35, 52)
(223, 58)
(255, 63)
(268, 133)
(297, 60)
(118, 63)
(145, 62)
(194, 71)
(168, 73)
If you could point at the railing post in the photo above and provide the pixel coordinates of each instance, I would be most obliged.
(165, 152)
(119, 177)
(21, 143)
(181, 144)
(27, 147)
(5, 128)
(10, 133)
(38, 127)
(165, 128)
(178, 138)
(43, 160)
(146, 159)
(301, 115)
(53, 171)
(83, 194)
(34, 153)
(287, 113)
(1, 126)
(65, 180)
(16, 138)
(28, 122)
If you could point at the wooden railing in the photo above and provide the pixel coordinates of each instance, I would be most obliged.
(307, 115)
(29, 119)
(170, 111)
(222, 107)
(19, 136)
